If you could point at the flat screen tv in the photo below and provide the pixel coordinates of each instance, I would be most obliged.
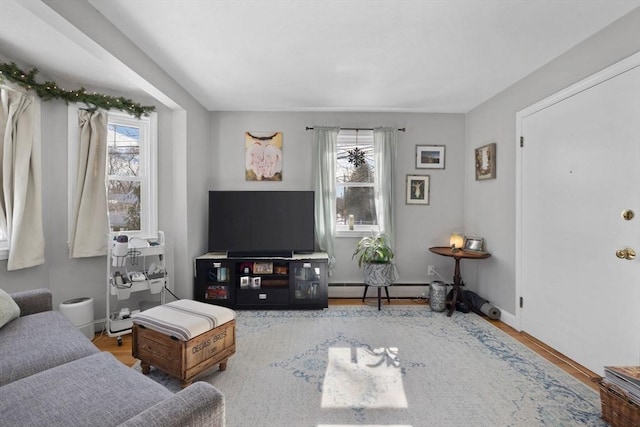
(261, 223)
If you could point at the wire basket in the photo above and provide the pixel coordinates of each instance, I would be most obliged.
(617, 409)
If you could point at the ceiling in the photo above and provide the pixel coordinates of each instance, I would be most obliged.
(314, 55)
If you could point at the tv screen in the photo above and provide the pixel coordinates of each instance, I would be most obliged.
(261, 223)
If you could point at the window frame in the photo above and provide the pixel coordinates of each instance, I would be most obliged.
(4, 248)
(342, 230)
(148, 167)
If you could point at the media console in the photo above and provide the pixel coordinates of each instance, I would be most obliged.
(296, 282)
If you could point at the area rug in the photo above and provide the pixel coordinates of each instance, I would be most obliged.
(400, 366)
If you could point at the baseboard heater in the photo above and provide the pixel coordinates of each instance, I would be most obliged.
(341, 284)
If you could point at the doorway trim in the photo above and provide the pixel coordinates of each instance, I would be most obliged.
(611, 71)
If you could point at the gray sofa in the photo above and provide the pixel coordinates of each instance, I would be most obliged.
(52, 375)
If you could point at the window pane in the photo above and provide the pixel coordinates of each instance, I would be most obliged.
(347, 172)
(124, 150)
(356, 201)
(123, 198)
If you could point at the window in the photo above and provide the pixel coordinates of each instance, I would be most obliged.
(131, 181)
(129, 172)
(355, 208)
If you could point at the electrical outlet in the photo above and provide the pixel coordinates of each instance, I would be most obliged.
(431, 270)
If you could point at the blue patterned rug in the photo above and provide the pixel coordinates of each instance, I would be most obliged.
(401, 366)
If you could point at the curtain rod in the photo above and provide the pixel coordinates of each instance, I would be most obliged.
(399, 129)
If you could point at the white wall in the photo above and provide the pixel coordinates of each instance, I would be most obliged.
(490, 205)
(418, 226)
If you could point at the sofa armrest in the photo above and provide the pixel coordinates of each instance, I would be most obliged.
(34, 301)
(197, 405)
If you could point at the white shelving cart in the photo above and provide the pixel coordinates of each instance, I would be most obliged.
(133, 265)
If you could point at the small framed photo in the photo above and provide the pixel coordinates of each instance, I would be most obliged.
(244, 282)
(417, 189)
(486, 162)
(256, 282)
(473, 244)
(429, 156)
(262, 268)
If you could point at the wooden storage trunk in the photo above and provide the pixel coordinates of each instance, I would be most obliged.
(184, 359)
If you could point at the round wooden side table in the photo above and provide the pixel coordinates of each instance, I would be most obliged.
(457, 254)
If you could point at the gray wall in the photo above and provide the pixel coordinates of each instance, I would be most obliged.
(184, 146)
(490, 206)
(68, 278)
(200, 150)
(181, 214)
(418, 226)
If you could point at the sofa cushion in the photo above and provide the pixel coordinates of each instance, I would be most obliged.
(9, 310)
(31, 344)
(33, 301)
(94, 391)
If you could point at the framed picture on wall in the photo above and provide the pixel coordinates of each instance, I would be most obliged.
(429, 156)
(486, 162)
(263, 156)
(417, 189)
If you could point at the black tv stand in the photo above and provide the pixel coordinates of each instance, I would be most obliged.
(260, 254)
(297, 281)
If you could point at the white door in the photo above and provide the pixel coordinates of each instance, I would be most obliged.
(580, 169)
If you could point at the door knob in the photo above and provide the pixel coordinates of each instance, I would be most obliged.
(626, 253)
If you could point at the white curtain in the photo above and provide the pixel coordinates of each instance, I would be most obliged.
(385, 141)
(324, 179)
(90, 224)
(21, 199)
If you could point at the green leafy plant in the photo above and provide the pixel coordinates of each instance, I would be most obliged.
(374, 249)
(50, 90)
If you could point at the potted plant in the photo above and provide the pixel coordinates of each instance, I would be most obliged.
(375, 255)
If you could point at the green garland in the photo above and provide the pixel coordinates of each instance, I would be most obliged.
(50, 90)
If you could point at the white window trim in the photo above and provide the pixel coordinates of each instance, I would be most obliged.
(37, 136)
(342, 230)
(4, 249)
(358, 231)
(148, 163)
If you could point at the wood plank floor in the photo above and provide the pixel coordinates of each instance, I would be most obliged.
(123, 353)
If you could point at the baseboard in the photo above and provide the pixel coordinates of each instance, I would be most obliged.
(100, 324)
(355, 290)
(507, 318)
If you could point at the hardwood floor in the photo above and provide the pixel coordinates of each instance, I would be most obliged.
(123, 353)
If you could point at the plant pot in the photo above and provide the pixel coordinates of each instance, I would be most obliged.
(377, 274)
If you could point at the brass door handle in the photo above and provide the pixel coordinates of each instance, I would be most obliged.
(626, 253)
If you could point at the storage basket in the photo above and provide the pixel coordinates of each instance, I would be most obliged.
(617, 409)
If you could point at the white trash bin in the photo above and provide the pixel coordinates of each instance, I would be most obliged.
(438, 296)
(80, 312)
